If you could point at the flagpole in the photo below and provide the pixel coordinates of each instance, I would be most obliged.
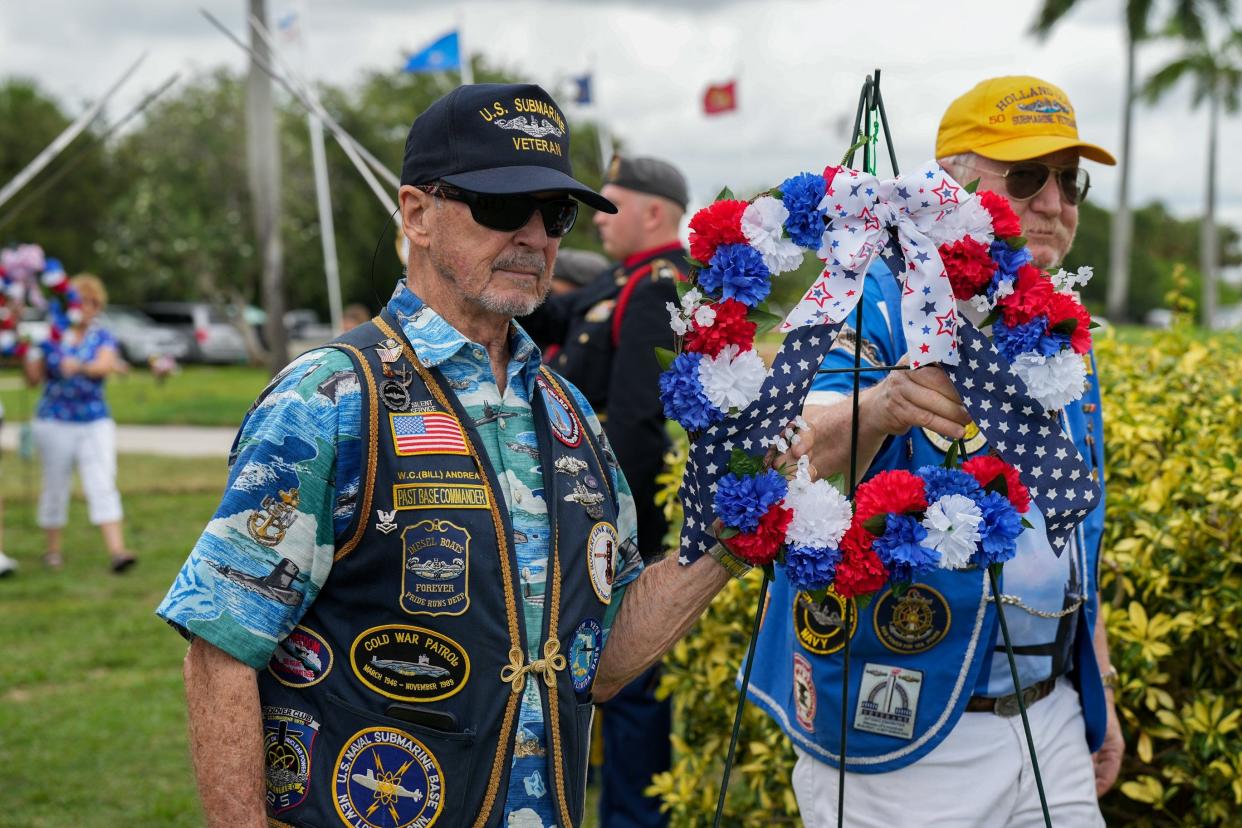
(463, 56)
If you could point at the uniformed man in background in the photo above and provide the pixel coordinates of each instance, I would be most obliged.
(609, 331)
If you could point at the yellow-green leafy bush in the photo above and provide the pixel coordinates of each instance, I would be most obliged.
(1172, 586)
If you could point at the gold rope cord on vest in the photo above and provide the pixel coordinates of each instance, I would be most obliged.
(548, 666)
(368, 473)
(502, 547)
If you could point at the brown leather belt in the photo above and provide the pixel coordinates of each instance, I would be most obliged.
(1008, 705)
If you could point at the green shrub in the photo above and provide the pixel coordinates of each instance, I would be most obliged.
(1171, 584)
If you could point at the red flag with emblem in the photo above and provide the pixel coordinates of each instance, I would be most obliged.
(720, 98)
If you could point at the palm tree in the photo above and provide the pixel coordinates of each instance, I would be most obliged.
(1215, 73)
(1187, 15)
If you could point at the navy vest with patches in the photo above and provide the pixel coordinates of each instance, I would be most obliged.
(395, 700)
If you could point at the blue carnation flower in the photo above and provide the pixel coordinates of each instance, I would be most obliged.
(801, 195)
(1008, 262)
(1000, 529)
(737, 272)
(683, 397)
(741, 501)
(811, 567)
(941, 481)
(901, 548)
(1019, 339)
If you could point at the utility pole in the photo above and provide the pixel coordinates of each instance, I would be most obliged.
(263, 155)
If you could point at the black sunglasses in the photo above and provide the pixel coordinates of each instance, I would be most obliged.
(508, 213)
(1027, 179)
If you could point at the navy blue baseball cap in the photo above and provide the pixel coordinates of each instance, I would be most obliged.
(495, 139)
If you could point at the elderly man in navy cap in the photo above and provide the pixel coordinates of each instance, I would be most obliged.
(423, 573)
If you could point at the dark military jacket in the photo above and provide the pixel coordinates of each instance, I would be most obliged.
(608, 332)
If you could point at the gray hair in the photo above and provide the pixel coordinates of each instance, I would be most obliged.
(953, 164)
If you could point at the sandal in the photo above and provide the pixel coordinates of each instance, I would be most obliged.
(53, 560)
(122, 562)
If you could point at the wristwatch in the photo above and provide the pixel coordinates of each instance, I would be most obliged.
(1109, 677)
(734, 565)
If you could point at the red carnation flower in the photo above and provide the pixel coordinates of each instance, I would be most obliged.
(986, 467)
(1063, 307)
(1032, 292)
(714, 225)
(969, 265)
(896, 491)
(860, 571)
(730, 328)
(759, 547)
(1005, 222)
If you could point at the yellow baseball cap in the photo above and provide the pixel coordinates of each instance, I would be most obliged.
(1014, 118)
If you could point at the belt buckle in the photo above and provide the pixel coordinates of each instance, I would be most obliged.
(1007, 706)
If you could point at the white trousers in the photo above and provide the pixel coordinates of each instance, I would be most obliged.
(980, 776)
(91, 447)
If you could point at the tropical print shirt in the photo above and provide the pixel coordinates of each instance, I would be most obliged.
(298, 437)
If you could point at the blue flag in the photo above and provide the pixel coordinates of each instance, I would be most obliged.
(582, 89)
(439, 56)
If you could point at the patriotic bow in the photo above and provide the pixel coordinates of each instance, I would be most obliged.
(863, 214)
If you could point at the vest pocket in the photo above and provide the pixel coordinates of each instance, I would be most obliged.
(578, 759)
(374, 763)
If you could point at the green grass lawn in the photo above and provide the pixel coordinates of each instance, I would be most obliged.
(199, 395)
(92, 714)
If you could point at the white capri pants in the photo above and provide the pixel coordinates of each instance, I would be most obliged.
(980, 776)
(92, 448)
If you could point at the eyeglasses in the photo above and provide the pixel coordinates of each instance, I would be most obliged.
(1027, 179)
(508, 213)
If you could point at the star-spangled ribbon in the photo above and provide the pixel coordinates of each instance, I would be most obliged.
(863, 213)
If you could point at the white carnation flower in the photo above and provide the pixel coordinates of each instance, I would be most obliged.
(821, 514)
(731, 379)
(675, 320)
(763, 224)
(970, 218)
(952, 525)
(1054, 381)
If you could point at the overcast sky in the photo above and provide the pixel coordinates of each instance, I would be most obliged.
(799, 65)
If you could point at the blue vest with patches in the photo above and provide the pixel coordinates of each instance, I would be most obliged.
(915, 659)
(395, 701)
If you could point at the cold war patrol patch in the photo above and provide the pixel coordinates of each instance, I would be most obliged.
(409, 664)
(584, 653)
(565, 425)
(288, 737)
(303, 658)
(818, 625)
(387, 779)
(601, 553)
(913, 623)
(435, 568)
(888, 700)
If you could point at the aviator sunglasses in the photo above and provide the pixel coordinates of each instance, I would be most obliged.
(508, 213)
(1027, 179)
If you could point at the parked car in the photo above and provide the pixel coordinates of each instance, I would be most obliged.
(305, 329)
(214, 337)
(140, 337)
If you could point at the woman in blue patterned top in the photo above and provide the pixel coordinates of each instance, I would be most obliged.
(73, 426)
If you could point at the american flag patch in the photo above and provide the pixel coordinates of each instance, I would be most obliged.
(431, 433)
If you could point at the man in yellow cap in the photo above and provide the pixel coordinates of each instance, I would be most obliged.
(932, 712)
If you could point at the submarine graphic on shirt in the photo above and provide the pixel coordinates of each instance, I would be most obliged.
(277, 584)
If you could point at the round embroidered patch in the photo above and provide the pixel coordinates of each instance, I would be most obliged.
(302, 659)
(584, 653)
(561, 416)
(409, 664)
(601, 553)
(913, 623)
(387, 779)
(818, 625)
